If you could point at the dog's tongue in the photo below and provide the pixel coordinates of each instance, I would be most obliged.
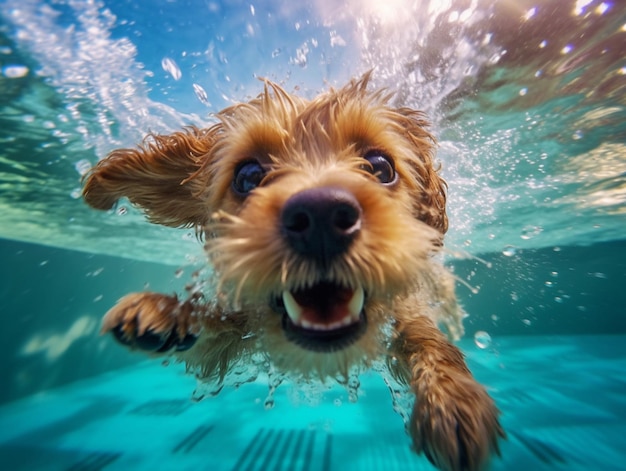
(324, 306)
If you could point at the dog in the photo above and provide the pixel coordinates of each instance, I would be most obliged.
(323, 222)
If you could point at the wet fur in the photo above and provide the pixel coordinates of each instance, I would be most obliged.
(184, 180)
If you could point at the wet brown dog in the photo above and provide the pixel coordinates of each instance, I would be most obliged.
(322, 221)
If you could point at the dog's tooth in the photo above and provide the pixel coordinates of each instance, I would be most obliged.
(335, 325)
(294, 311)
(346, 321)
(355, 306)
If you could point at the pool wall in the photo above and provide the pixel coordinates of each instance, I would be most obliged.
(52, 300)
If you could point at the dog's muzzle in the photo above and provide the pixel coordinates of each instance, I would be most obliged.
(320, 224)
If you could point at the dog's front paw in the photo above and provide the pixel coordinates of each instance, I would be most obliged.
(455, 424)
(150, 321)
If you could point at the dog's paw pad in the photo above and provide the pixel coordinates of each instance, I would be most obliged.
(186, 343)
(175, 342)
(148, 341)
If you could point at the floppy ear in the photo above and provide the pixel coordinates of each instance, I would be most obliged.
(430, 192)
(161, 176)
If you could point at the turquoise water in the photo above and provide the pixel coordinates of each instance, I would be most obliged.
(528, 103)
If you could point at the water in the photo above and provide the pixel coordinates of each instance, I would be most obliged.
(527, 101)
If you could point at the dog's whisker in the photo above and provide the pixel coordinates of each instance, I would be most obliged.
(473, 289)
(459, 254)
(284, 273)
(239, 289)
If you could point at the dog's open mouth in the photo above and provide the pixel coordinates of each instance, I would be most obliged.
(324, 318)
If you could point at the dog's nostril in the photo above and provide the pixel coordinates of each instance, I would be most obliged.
(346, 218)
(297, 222)
(321, 222)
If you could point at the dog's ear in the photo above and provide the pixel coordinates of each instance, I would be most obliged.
(161, 176)
(430, 189)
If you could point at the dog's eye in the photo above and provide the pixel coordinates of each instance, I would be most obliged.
(248, 176)
(381, 166)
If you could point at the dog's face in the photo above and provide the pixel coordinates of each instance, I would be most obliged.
(318, 214)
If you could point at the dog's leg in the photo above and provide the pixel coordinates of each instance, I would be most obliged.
(152, 322)
(454, 421)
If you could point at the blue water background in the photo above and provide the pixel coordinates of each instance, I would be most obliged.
(528, 104)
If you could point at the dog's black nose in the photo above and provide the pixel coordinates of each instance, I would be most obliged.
(321, 223)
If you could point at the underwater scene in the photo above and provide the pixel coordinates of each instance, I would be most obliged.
(527, 101)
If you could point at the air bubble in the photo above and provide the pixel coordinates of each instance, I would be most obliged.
(482, 339)
(509, 251)
(530, 13)
(201, 94)
(529, 232)
(336, 40)
(206, 389)
(170, 66)
(15, 71)
(82, 166)
(352, 387)
(121, 211)
(274, 381)
(301, 56)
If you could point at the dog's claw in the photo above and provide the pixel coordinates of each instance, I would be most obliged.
(121, 336)
(150, 341)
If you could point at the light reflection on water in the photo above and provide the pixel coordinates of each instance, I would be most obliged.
(527, 100)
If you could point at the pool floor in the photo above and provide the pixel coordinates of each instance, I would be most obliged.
(563, 401)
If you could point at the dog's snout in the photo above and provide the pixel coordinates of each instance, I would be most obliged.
(321, 222)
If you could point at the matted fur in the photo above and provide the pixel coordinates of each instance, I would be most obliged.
(185, 180)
